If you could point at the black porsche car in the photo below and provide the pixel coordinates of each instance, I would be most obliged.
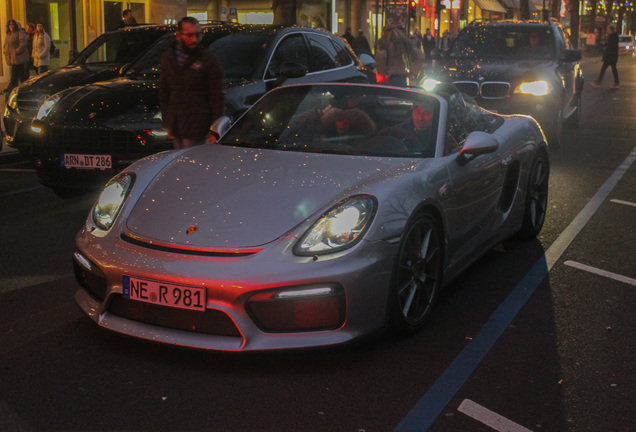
(84, 135)
(101, 59)
(514, 67)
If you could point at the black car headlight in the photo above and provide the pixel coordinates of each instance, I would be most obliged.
(112, 199)
(535, 88)
(340, 228)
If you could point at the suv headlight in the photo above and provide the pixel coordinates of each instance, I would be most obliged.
(111, 200)
(536, 88)
(340, 228)
(47, 106)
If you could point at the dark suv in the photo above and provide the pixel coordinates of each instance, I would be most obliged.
(101, 59)
(514, 67)
(84, 135)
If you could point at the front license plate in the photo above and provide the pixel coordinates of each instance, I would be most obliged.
(165, 294)
(100, 162)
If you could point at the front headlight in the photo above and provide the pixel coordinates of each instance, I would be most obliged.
(12, 102)
(429, 84)
(111, 200)
(47, 106)
(536, 88)
(339, 228)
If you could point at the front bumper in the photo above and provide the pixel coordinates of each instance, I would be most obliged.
(361, 274)
(123, 146)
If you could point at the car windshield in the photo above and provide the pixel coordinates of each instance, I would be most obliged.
(625, 39)
(340, 119)
(238, 53)
(119, 47)
(505, 42)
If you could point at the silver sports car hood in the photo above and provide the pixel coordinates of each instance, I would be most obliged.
(224, 197)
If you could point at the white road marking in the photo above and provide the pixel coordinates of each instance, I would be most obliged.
(623, 202)
(489, 418)
(600, 272)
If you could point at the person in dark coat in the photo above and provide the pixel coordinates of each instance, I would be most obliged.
(128, 18)
(428, 43)
(610, 58)
(348, 36)
(191, 87)
(360, 44)
(16, 53)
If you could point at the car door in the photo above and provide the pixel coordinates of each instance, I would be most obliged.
(471, 207)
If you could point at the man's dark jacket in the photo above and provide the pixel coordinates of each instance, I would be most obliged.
(193, 96)
(611, 48)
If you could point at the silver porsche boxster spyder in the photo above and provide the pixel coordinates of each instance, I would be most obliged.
(327, 212)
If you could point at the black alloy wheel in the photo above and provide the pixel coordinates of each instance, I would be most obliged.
(536, 197)
(417, 277)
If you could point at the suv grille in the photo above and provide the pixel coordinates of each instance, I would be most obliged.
(494, 90)
(487, 90)
(468, 87)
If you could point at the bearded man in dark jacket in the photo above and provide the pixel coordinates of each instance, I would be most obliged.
(191, 87)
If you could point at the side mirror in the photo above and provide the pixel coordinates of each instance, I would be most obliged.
(477, 143)
(219, 128)
(368, 61)
(290, 70)
(570, 56)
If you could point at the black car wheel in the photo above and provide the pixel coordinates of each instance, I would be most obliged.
(417, 276)
(554, 130)
(536, 197)
(575, 119)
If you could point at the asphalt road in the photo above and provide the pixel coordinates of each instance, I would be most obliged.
(535, 336)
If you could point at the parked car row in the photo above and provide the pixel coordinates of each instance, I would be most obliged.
(83, 135)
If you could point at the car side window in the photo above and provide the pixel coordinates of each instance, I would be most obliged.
(344, 58)
(462, 120)
(562, 40)
(324, 55)
(291, 49)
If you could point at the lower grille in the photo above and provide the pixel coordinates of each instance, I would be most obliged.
(212, 322)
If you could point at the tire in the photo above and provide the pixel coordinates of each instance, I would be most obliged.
(536, 203)
(417, 276)
(555, 130)
(575, 119)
